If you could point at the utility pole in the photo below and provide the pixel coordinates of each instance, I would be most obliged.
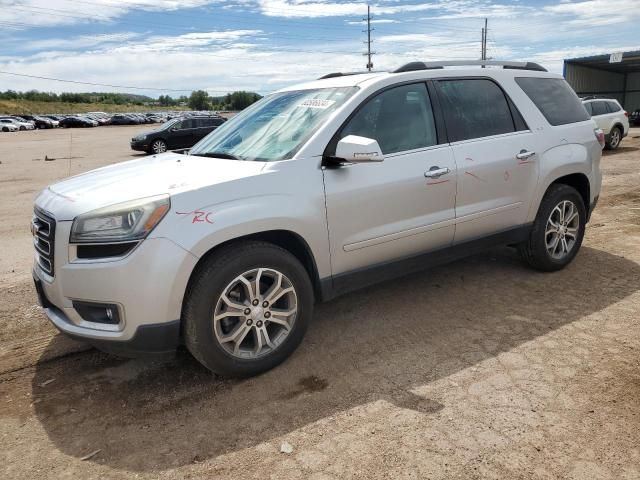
(368, 42)
(482, 46)
(485, 31)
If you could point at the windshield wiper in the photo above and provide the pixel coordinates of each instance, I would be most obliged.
(222, 155)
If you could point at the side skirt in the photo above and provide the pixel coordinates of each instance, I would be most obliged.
(337, 285)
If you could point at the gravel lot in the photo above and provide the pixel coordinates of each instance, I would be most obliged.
(479, 369)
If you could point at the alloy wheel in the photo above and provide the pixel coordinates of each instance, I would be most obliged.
(562, 229)
(159, 146)
(615, 138)
(255, 313)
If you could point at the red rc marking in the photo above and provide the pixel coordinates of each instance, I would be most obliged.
(198, 216)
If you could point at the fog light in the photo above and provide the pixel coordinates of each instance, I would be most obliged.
(98, 312)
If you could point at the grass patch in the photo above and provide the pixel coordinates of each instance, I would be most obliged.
(17, 107)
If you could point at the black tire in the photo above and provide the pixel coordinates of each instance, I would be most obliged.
(207, 285)
(534, 250)
(615, 139)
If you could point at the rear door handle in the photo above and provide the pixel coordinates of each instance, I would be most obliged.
(436, 172)
(524, 154)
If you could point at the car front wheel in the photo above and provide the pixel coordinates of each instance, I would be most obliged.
(158, 146)
(247, 308)
(558, 230)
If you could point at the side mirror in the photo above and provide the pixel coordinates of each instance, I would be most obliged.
(355, 149)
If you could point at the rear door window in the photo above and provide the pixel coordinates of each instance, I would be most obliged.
(555, 99)
(587, 107)
(599, 108)
(475, 108)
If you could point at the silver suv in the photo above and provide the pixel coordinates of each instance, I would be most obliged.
(314, 191)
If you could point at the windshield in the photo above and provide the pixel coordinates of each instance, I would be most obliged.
(275, 127)
(168, 124)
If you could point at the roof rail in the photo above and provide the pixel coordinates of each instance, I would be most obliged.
(415, 66)
(340, 74)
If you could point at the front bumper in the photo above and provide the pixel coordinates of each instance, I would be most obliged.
(147, 286)
(140, 146)
(158, 339)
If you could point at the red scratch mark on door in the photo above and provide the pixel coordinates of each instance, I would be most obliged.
(437, 182)
(524, 162)
(507, 175)
(474, 175)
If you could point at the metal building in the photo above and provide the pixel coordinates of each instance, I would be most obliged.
(615, 75)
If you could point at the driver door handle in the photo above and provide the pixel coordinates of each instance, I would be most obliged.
(524, 154)
(436, 172)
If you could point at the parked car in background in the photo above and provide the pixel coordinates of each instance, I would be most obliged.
(316, 190)
(8, 127)
(178, 133)
(634, 118)
(21, 123)
(78, 122)
(610, 117)
(40, 122)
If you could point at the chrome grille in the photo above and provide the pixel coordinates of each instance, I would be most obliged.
(43, 228)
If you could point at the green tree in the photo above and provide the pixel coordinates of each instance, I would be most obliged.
(199, 100)
(241, 100)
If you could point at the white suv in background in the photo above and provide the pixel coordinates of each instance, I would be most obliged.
(314, 191)
(610, 117)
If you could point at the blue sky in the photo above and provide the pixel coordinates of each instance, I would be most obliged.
(175, 46)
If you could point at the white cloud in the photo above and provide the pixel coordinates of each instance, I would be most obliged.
(81, 41)
(27, 13)
(322, 8)
(374, 21)
(597, 12)
(189, 41)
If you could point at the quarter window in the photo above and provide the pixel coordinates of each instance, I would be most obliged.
(555, 99)
(613, 107)
(400, 119)
(475, 108)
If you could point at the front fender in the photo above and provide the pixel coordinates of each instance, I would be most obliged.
(201, 229)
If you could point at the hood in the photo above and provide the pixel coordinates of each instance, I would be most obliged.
(168, 173)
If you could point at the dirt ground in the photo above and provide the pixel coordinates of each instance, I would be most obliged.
(478, 369)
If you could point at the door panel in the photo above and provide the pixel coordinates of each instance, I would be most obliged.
(495, 154)
(379, 212)
(494, 186)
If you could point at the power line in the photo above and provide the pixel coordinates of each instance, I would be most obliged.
(100, 84)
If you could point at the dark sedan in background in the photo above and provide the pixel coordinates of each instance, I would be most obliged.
(78, 122)
(177, 133)
(634, 118)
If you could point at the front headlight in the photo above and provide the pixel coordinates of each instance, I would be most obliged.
(141, 137)
(122, 222)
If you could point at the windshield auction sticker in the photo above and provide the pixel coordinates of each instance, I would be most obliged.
(316, 103)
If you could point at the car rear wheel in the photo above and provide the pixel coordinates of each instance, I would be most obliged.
(615, 137)
(558, 230)
(247, 309)
(158, 146)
